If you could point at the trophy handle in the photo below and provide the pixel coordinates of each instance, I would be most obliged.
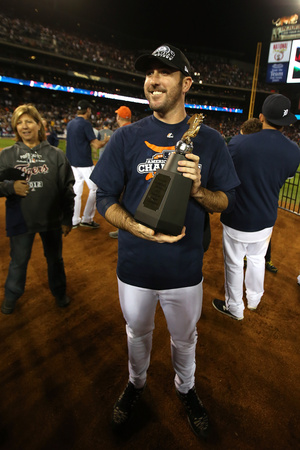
(195, 123)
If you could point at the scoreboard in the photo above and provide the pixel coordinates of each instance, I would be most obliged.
(284, 55)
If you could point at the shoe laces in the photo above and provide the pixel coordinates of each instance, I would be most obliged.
(127, 400)
(195, 409)
(193, 403)
(125, 404)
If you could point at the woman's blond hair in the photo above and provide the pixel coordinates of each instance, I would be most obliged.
(32, 112)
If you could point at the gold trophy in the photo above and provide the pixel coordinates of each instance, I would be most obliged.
(164, 204)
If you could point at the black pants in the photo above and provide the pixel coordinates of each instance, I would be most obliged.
(20, 252)
(268, 254)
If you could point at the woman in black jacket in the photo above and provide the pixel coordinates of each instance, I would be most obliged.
(38, 184)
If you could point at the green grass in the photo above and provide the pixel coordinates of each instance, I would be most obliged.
(7, 142)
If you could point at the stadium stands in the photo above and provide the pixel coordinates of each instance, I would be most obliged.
(35, 52)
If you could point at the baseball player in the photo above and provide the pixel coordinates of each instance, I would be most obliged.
(254, 125)
(263, 162)
(80, 139)
(153, 266)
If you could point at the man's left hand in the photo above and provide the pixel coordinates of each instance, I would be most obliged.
(189, 167)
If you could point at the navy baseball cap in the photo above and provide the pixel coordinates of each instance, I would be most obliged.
(84, 104)
(168, 55)
(276, 109)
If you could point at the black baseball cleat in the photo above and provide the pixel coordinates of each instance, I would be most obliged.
(92, 224)
(270, 267)
(125, 405)
(197, 414)
(219, 305)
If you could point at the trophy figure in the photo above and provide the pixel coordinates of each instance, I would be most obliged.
(164, 204)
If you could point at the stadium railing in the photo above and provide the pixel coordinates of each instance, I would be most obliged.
(289, 197)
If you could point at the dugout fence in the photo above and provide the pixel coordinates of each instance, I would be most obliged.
(289, 198)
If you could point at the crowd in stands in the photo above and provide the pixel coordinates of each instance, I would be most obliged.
(208, 95)
(59, 110)
(216, 72)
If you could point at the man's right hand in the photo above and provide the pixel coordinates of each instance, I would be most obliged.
(147, 233)
(120, 218)
(106, 138)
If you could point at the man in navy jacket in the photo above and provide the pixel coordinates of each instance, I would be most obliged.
(263, 162)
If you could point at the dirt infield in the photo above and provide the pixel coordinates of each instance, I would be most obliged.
(61, 370)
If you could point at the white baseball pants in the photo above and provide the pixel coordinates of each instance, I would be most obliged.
(182, 309)
(81, 175)
(237, 245)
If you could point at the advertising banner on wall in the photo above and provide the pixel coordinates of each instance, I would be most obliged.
(279, 51)
(286, 32)
(277, 72)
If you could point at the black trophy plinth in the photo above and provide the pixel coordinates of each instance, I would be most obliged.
(164, 204)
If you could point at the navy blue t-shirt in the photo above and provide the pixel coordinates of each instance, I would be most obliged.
(263, 162)
(132, 156)
(79, 135)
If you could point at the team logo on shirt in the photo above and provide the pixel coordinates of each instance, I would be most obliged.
(157, 161)
(24, 165)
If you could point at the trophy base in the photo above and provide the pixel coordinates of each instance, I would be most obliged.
(164, 204)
